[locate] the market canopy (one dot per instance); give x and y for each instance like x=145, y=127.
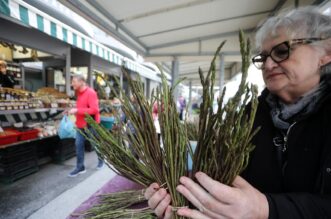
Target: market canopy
x=188, y=30
x=35, y=18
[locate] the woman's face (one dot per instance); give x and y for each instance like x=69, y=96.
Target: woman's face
x=294, y=76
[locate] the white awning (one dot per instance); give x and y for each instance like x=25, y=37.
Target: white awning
x=37, y=19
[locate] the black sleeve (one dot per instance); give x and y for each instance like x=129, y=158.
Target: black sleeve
x=7, y=81
x=11, y=80
x=299, y=205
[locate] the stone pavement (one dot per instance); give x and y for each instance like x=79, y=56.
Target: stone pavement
x=50, y=193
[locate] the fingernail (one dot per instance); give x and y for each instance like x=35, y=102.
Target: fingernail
x=182, y=179
x=179, y=188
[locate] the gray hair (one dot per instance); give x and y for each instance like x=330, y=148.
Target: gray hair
x=79, y=77
x=305, y=22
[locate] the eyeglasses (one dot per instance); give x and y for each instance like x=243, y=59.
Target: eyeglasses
x=281, y=51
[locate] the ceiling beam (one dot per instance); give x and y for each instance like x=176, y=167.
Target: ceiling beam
x=277, y=7
x=108, y=15
x=204, y=23
x=229, y=53
x=85, y=12
x=196, y=39
x=164, y=10
x=166, y=67
x=319, y=2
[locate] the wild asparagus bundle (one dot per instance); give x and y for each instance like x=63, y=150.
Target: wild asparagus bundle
x=120, y=205
x=224, y=137
x=192, y=131
x=111, y=148
x=142, y=213
x=146, y=160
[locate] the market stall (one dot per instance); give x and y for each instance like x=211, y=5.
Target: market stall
x=28, y=136
x=42, y=51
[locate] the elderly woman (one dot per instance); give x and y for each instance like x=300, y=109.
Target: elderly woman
x=289, y=172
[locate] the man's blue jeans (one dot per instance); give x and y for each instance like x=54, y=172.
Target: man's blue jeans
x=80, y=149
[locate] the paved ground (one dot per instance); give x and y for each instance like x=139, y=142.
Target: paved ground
x=50, y=193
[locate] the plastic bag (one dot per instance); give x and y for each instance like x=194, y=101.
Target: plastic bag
x=66, y=128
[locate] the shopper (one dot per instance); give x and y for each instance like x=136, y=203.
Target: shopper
x=289, y=171
x=181, y=105
x=117, y=113
x=87, y=103
x=155, y=114
x=6, y=80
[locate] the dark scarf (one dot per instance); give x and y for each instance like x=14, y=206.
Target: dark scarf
x=283, y=115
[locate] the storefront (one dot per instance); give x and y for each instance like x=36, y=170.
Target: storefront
x=55, y=50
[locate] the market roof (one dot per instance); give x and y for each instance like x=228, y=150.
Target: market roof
x=50, y=10
x=190, y=30
x=30, y=16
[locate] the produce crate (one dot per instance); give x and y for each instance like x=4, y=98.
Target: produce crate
x=47, y=147
x=17, y=161
x=64, y=150
x=8, y=137
x=30, y=134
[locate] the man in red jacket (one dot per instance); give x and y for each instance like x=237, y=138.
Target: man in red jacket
x=87, y=103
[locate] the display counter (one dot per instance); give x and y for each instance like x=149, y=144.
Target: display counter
x=22, y=152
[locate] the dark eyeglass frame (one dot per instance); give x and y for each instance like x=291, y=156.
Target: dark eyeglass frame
x=260, y=59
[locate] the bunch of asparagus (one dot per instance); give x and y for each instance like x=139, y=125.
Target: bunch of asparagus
x=223, y=139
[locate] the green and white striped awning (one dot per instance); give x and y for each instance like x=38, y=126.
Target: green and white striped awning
x=35, y=18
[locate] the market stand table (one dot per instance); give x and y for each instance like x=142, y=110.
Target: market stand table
x=116, y=184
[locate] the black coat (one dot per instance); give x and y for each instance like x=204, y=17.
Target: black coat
x=299, y=187
x=7, y=80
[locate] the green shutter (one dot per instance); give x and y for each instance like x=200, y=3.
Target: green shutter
x=53, y=29
x=97, y=50
x=91, y=49
x=4, y=7
x=24, y=14
x=40, y=23
x=74, y=39
x=65, y=34
x=108, y=55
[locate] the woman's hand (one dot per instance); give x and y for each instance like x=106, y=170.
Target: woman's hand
x=159, y=201
x=217, y=200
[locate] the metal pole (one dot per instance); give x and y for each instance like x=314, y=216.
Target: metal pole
x=121, y=83
x=90, y=73
x=190, y=98
x=175, y=74
x=221, y=73
x=148, y=88
x=67, y=71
